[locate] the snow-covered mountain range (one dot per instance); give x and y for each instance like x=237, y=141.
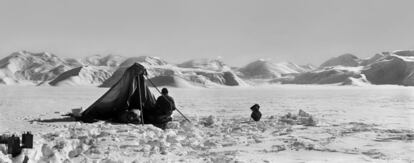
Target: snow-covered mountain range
x=395, y=68
x=104, y=70
x=46, y=69
x=25, y=67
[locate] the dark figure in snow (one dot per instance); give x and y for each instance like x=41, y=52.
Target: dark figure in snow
x=256, y=115
x=165, y=106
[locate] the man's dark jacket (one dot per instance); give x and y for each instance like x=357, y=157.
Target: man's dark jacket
x=165, y=105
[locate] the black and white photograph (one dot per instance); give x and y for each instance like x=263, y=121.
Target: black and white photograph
x=206, y=81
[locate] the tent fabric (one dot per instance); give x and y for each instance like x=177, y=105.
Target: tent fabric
x=123, y=95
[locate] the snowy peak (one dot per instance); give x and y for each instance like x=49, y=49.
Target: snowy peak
x=349, y=60
x=293, y=68
x=308, y=67
x=209, y=72
x=104, y=60
x=374, y=58
x=207, y=64
x=404, y=53
x=260, y=69
x=397, y=68
x=31, y=67
x=263, y=69
x=72, y=62
x=144, y=60
x=85, y=75
x=20, y=61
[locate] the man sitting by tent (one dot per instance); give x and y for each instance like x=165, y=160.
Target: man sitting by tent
x=130, y=100
x=165, y=105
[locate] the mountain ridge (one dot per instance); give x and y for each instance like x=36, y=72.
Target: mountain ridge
x=43, y=68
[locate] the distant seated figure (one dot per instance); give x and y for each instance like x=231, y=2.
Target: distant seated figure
x=165, y=105
x=256, y=115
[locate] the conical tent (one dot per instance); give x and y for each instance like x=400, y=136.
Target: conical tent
x=128, y=93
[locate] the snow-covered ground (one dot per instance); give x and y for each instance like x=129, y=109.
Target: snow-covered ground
x=354, y=124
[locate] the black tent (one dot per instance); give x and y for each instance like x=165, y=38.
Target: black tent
x=128, y=93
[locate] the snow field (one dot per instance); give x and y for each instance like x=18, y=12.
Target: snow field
x=354, y=124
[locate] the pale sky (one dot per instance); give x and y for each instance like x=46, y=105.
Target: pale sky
x=238, y=31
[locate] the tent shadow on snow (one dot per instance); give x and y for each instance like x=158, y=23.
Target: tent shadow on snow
x=55, y=120
x=66, y=118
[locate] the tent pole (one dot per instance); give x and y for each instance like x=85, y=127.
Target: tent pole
x=167, y=99
x=140, y=100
